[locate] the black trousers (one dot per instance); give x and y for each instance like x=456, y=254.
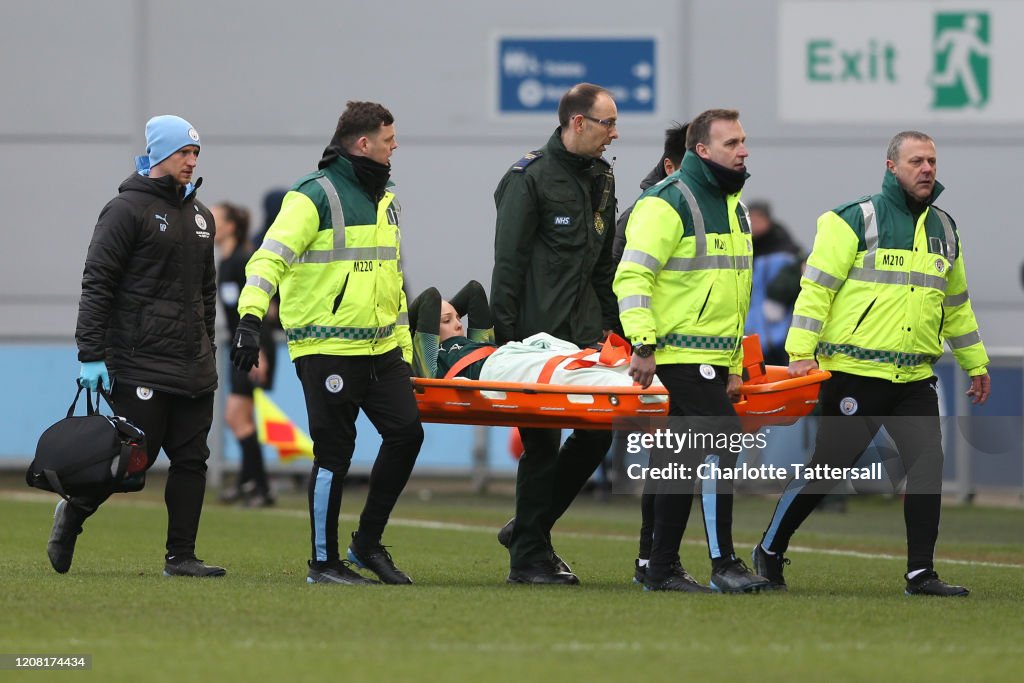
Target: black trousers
x=548, y=479
x=180, y=426
x=855, y=408
x=694, y=395
x=336, y=388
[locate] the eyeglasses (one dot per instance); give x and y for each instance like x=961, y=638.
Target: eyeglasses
x=607, y=123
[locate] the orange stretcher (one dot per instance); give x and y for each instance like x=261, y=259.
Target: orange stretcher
x=769, y=397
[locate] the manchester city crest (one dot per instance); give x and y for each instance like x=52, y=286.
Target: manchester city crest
x=848, y=405
x=334, y=383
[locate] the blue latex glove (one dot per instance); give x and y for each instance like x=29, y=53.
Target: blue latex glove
x=94, y=374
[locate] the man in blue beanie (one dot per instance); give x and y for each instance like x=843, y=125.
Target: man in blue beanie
x=146, y=333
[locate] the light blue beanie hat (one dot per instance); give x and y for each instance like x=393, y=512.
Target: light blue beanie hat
x=165, y=135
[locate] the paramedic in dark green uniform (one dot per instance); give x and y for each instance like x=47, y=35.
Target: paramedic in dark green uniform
x=553, y=273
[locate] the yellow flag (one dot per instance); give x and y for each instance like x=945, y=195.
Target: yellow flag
x=274, y=428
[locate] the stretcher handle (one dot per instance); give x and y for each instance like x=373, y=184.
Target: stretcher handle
x=812, y=377
x=533, y=388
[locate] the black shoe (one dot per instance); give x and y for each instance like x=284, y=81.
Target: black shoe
x=339, y=572
x=929, y=583
x=378, y=560
x=505, y=539
x=61, y=546
x=733, y=577
x=505, y=533
x=677, y=579
x=542, y=573
x=260, y=500
x=770, y=567
x=639, y=572
x=191, y=566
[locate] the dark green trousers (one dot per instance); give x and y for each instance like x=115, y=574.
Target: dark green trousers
x=548, y=480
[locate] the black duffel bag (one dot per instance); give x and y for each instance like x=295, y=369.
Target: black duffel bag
x=91, y=454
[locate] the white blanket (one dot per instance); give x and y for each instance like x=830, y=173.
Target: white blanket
x=523, y=362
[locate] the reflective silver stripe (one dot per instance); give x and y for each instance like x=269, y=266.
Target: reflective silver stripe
x=698, y=218
x=340, y=251
x=745, y=218
x=964, y=340
x=718, y=262
x=822, y=278
x=804, y=323
x=947, y=226
x=933, y=281
x=257, y=281
x=888, y=277
x=635, y=301
x=337, y=215
x=641, y=258
x=351, y=254
x=275, y=247
x=896, y=277
x=403, y=319
x=870, y=232
x=956, y=299
x=742, y=262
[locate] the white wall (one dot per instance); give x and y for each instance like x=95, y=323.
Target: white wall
x=264, y=82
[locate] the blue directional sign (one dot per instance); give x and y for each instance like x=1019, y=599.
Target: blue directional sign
x=533, y=74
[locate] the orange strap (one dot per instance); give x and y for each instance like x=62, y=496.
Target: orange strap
x=614, y=351
x=549, y=367
x=470, y=358
x=753, y=360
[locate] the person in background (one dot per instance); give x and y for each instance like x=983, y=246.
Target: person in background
x=252, y=487
x=777, y=264
x=671, y=158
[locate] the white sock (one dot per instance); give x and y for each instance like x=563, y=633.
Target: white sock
x=914, y=573
x=643, y=563
x=766, y=550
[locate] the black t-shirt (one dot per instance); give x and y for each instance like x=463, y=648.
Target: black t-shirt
x=230, y=280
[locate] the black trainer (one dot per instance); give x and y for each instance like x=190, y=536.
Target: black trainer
x=639, y=572
x=677, y=579
x=542, y=573
x=929, y=583
x=189, y=565
x=732, y=576
x=505, y=539
x=770, y=567
x=61, y=546
x=378, y=560
x=339, y=572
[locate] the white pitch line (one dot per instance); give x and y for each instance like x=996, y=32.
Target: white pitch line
x=26, y=496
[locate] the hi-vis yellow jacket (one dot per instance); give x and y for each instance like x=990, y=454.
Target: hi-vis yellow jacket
x=683, y=284
x=881, y=292
x=334, y=254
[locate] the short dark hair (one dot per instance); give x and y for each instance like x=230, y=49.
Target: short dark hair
x=675, y=143
x=359, y=119
x=579, y=99
x=700, y=127
x=760, y=206
x=240, y=216
x=893, y=152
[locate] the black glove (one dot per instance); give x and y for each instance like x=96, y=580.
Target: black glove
x=245, y=347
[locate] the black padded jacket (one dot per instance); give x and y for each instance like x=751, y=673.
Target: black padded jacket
x=149, y=289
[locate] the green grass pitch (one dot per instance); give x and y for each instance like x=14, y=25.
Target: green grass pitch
x=844, y=619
